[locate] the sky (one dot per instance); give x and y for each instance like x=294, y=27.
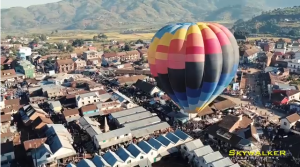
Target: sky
x=23, y=3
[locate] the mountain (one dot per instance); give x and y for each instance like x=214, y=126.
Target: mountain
x=107, y=14
x=283, y=21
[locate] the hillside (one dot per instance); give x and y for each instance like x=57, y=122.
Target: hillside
x=284, y=21
x=107, y=14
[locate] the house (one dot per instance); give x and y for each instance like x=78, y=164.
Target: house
x=54, y=91
x=150, y=151
x=187, y=148
x=65, y=66
x=104, y=106
x=113, y=159
x=88, y=55
x=90, y=110
x=55, y=106
x=71, y=114
x=268, y=47
x=124, y=66
x=147, y=87
x=25, y=67
x=288, y=122
x=170, y=145
x=284, y=96
x=12, y=102
x=143, y=52
x=161, y=149
x=95, y=87
x=5, y=122
x=10, y=75
x=125, y=155
x=109, y=58
x=80, y=64
x=94, y=61
x=132, y=56
x=92, y=127
x=24, y=53
x=99, y=160
x=87, y=98
x=200, y=152
x=40, y=123
x=137, y=152
x=37, y=99
x=30, y=112
x=111, y=138
x=125, y=80
x=12, y=110
x=250, y=55
x=294, y=65
x=7, y=153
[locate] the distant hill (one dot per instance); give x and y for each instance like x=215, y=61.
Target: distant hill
x=283, y=21
x=107, y=14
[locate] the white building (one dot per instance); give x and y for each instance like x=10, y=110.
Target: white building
x=294, y=65
x=87, y=98
x=207, y=159
x=2, y=104
x=113, y=137
x=221, y=162
x=288, y=122
x=24, y=52
x=149, y=150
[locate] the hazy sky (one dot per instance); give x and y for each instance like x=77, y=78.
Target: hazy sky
x=23, y=3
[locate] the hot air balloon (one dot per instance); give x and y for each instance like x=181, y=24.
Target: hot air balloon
x=193, y=62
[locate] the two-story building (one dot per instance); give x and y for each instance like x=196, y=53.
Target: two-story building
x=65, y=66
x=89, y=110
x=111, y=138
x=87, y=98
x=288, y=122
x=87, y=55
x=24, y=53
x=10, y=75
x=80, y=64
x=71, y=114
x=250, y=55
x=294, y=66
x=110, y=58
x=25, y=67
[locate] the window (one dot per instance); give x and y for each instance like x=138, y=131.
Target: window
x=184, y=148
x=128, y=162
x=95, y=100
x=118, y=137
x=83, y=103
x=284, y=123
x=142, y=157
x=151, y=153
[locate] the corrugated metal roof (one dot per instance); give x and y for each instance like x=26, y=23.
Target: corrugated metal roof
x=182, y=135
x=171, y=136
x=193, y=145
x=199, y=152
x=111, y=158
x=124, y=154
x=142, y=122
x=112, y=134
x=164, y=140
x=86, y=163
x=99, y=161
x=155, y=143
x=145, y=146
x=212, y=157
x=222, y=162
x=146, y=130
x=134, y=117
x=135, y=150
x=128, y=112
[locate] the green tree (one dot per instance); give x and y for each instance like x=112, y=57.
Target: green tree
x=43, y=37
x=9, y=37
x=139, y=41
x=69, y=48
x=60, y=47
x=77, y=42
x=102, y=36
x=56, y=31
x=43, y=52
x=127, y=48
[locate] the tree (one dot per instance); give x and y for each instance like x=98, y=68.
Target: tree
x=139, y=41
x=60, y=47
x=294, y=32
x=9, y=37
x=127, y=48
x=56, y=31
x=69, y=48
x=78, y=43
x=2, y=67
x=102, y=36
x=43, y=37
x=43, y=51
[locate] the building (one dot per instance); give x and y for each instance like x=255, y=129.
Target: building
x=55, y=106
x=30, y=112
x=5, y=122
x=147, y=87
x=10, y=75
x=88, y=55
x=284, y=96
x=250, y=55
x=112, y=58
x=294, y=65
x=71, y=115
x=95, y=62
x=26, y=68
x=87, y=98
x=65, y=66
x=288, y=122
x=24, y=53
x=92, y=127
x=40, y=123
x=126, y=80
x=111, y=138
x=7, y=153
x=80, y=64
x=90, y=110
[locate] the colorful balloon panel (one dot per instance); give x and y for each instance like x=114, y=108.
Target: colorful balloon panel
x=193, y=62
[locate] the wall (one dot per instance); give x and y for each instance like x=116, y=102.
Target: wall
x=86, y=101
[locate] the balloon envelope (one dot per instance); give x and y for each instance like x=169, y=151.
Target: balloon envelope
x=193, y=62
